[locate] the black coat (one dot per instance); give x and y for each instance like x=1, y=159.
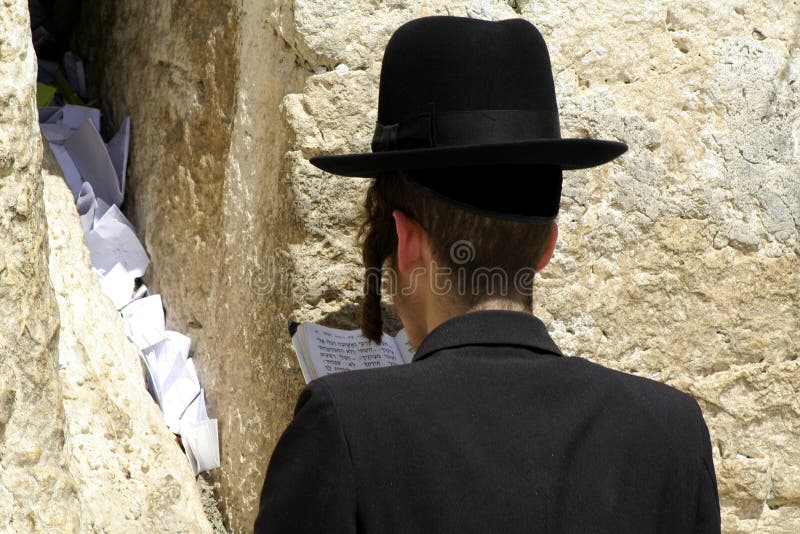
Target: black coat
x=491, y=430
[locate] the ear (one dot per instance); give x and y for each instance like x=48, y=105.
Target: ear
x=551, y=246
x=410, y=237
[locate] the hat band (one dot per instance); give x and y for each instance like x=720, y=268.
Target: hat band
x=466, y=127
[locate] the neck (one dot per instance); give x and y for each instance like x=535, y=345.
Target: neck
x=439, y=310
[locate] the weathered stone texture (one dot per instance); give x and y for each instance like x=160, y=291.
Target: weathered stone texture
x=130, y=474
x=685, y=252
x=91, y=453
x=37, y=491
x=679, y=261
x=202, y=83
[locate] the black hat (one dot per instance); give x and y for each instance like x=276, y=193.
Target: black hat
x=459, y=93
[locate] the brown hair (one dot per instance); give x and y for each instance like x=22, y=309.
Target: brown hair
x=487, y=243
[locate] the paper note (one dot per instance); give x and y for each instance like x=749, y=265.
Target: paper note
x=75, y=116
x=113, y=213
x=163, y=360
x=140, y=292
x=174, y=348
x=55, y=133
x=118, y=151
x=196, y=411
x=118, y=284
x=66, y=91
x=88, y=151
x=201, y=441
x=178, y=390
x=102, y=208
x=51, y=114
x=144, y=321
x=148, y=357
x=110, y=242
x=68, y=169
x=86, y=206
x=44, y=94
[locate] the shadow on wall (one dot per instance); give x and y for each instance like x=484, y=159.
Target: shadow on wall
x=349, y=317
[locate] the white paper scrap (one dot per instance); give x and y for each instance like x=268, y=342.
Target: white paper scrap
x=51, y=114
x=196, y=411
x=101, y=209
x=144, y=321
x=86, y=206
x=118, y=284
x=55, y=133
x=141, y=292
x=201, y=441
x=75, y=116
x=68, y=169
x=178, y=391
x=150, y=377
x=111, y=242
x=171, y=352
x=113, y=213
x=88, y=151
x=118, y=151
x=76, y=75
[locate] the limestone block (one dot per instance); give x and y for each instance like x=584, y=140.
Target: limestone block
x=754, y=410
x=37, y=490
x=679, y=261
x=129, y=471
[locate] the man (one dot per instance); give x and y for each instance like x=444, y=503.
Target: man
x=490, y=428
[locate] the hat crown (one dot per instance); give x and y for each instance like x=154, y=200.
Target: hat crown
x=459, y=63
x=457, y=91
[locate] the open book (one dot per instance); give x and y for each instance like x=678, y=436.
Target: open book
x=322, y=350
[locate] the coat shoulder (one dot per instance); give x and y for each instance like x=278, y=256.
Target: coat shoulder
x=658, y=406
x=672, y=411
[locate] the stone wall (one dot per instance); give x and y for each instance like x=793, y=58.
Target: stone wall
x=84, y=448
x=129, y=472
x=679, y=261
x=36, y=487
x=207, y=194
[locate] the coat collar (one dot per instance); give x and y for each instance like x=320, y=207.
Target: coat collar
x=488, y=327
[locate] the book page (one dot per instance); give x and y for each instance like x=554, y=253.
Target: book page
x=301, y=357
x=334, y=351
x=403, y=346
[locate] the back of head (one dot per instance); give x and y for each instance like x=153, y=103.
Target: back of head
x=464, y=130
x=483, y=255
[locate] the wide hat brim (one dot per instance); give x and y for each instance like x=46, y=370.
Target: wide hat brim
x=566, y=153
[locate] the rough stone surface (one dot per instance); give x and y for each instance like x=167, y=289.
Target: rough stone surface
x=37, y=490
x=208, y=197
x=129, y=472
x=82, y=449
x=679, y=261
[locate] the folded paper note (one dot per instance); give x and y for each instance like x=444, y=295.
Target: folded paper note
x=89, y=153
x=144, y=321
x=200, y=440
